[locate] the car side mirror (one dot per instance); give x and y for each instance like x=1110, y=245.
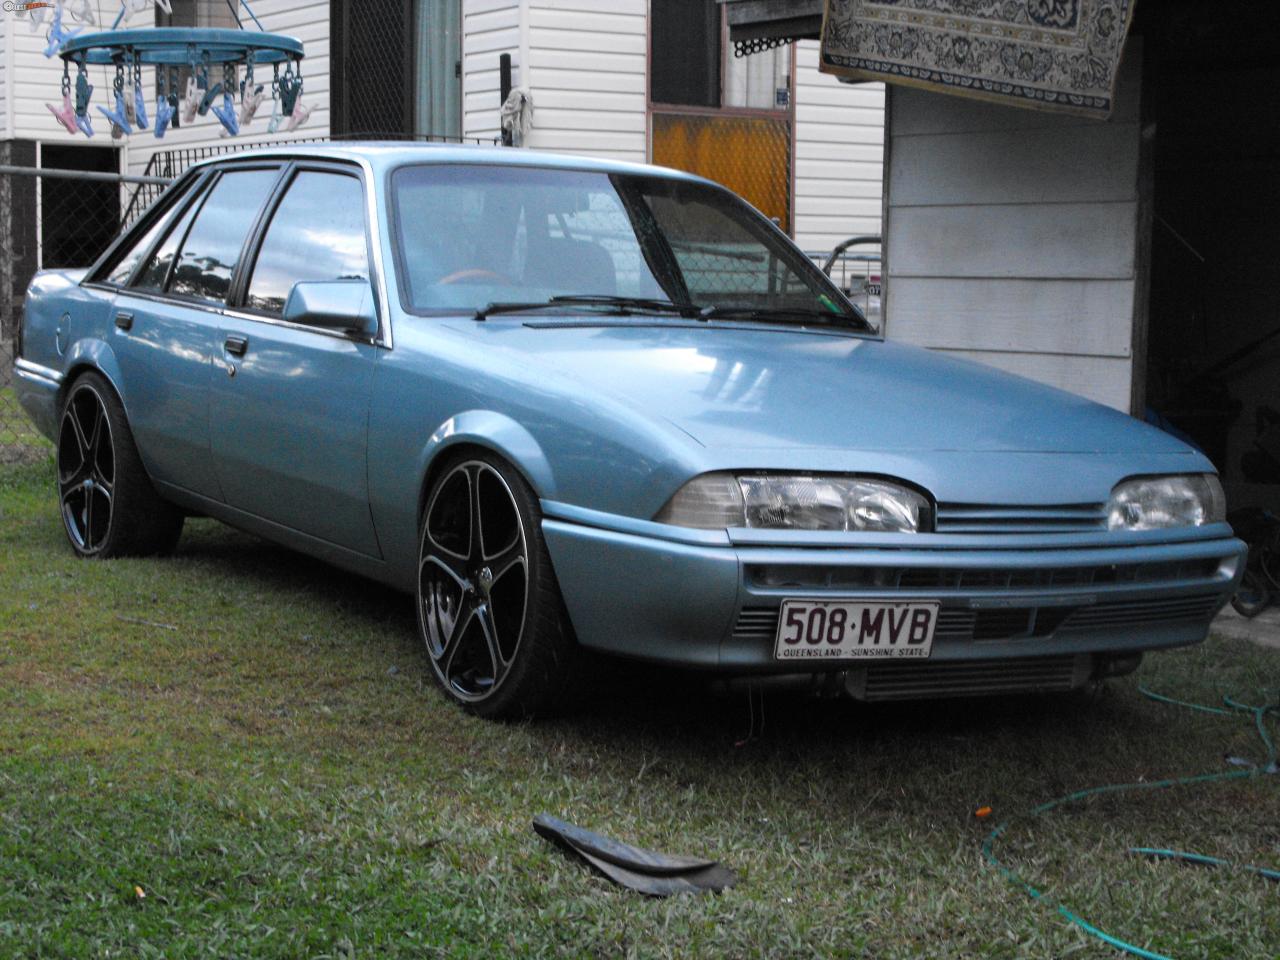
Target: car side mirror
x=345, y=305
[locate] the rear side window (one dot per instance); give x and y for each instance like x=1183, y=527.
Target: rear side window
x=212, y=246
x=153, y=276
x=125, y=265
x=316, y=233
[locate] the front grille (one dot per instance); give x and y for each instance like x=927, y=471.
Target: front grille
x=986, y=578
x=1000, y=518
x=961, y=624
x=918, y=681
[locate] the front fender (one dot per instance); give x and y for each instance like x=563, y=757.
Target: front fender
x=496, y=432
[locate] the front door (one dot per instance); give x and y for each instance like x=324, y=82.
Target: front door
x=290, y=403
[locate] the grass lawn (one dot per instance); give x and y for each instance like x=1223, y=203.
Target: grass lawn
x=252, y=740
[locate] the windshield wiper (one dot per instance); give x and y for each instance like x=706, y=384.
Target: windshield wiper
x=766, y=314
x=622, y=306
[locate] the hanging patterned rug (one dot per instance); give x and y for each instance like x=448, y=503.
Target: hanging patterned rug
x=1058, y=55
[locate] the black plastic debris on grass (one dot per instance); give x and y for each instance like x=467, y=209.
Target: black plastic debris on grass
x=647, y=872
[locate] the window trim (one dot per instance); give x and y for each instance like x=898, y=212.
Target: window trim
x=238, y=296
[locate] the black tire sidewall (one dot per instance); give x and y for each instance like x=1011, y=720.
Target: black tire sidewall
x=540, y=668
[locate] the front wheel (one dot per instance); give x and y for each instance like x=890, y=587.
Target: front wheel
x=108, y=504
x=489, y=609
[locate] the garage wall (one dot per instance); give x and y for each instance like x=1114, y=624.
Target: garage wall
x=490, y=28
x=587, y=73
x=1013, y=236
x=839, y=155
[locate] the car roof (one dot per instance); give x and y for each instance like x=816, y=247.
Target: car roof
x=386, y=154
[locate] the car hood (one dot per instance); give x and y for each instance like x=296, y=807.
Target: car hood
x=750, y=386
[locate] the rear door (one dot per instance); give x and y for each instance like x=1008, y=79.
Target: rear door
x=165, y=336
x=290, y=405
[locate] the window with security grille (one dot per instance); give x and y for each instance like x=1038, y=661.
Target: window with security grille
x=372, y=61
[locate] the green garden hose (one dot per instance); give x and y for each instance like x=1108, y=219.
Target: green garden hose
x=1269, y=766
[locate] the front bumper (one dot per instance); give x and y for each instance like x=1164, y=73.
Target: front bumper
x=1079, y=601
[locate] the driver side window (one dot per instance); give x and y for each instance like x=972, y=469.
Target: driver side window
x=316, y=233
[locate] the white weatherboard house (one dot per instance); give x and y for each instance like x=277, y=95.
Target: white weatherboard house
x=643, y=80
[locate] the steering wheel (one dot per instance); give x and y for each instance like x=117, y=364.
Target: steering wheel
x=462, y=276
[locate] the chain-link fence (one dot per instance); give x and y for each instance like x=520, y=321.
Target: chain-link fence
x=50, y=218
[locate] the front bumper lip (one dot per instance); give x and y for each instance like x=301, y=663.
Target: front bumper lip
x=682, y=603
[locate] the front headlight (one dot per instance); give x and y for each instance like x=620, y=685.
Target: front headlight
x=714, y=501
x=1157, y=503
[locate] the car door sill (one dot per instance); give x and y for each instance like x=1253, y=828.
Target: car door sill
x=340, y=556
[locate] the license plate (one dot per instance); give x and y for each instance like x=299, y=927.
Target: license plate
x=859, y=630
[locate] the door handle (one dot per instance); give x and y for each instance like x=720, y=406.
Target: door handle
x=236, y=346
x=124, y=320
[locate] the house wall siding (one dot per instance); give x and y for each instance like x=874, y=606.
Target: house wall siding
x=1013, y=236
x=839, y=156
x=587, y=72
x=490, y=28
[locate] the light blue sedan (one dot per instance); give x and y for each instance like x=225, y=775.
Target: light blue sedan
x=578, y=406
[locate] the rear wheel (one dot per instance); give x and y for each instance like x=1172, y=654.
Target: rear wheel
x=109, y=507
x=1253, y=595
x=489, y=609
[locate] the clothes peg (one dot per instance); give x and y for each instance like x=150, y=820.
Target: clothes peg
x=67, y=115
x=300, y=115
x=164, y=5
x=289, y=90
x=57, y=35
x=82, y=10
x=130, y=7
x=164, y=113
x=250, y=100
x=207, y=101
x=82, y=122
x=191, y=102
x=276, y=117
x=226, y=114
x=117, y=116
x=139, y=106
x=83, y=91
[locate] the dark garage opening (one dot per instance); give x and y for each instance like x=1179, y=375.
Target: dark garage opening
x=78, y=218
x=1213, y=329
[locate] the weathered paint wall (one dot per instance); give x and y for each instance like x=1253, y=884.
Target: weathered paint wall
x=839, y=155
x=1013, y=236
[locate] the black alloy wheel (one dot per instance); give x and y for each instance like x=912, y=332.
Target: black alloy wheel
x=489, y=610
x=108, y=505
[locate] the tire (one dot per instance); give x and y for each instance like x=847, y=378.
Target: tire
x=108, y=505
x=491, y=617
x=1253, y=596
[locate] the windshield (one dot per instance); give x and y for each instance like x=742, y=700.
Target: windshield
x=471, y=236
